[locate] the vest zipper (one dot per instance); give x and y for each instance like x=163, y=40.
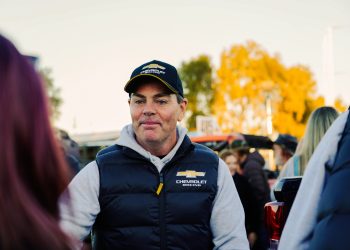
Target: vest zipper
x=161, y=212
x=161, y=184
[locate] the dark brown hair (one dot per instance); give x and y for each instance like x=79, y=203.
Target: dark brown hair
x=33, y=172
x=226, y=153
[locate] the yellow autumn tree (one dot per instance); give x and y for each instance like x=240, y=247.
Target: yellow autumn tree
x=248, y=77
x=340, y=105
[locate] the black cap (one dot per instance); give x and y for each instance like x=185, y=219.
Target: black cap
x=287, y=141
x=239, y=144
x=164, y=72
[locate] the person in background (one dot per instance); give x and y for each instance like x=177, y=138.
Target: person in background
x=284, y=148
x=320, y=215
x=245, y=193
x=252, y=164
x=70, y=149
x=33, y=172
x=155, y=189
x=318, y=123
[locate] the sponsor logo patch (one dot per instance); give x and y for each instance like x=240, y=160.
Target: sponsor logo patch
x=191, y=174
x=152, y=71
x=153, y=66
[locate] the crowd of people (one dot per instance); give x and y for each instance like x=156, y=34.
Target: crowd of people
x=155, y=189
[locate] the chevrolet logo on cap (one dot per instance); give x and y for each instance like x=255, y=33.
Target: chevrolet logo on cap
x=153, y=66
x=190, y=174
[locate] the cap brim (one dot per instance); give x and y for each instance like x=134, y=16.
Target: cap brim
x=129, y=86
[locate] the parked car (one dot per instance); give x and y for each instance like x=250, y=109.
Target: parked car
x=217, y=142
x=221, y=141
x=225, y=141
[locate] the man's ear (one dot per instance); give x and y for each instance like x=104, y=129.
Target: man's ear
x=129, y=100
x=183, y=106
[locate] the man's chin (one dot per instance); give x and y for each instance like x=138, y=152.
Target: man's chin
x=150, y=137
x=151, y=140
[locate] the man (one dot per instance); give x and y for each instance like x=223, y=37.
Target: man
x=70, y=149
x=155, y=189
x=252, y=164
x=284, y=148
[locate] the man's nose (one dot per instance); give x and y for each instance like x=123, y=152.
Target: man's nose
x=149, y=109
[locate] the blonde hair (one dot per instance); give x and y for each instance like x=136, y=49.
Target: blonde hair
x=319, y=121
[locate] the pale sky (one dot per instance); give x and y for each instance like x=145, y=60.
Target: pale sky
x=93, y=46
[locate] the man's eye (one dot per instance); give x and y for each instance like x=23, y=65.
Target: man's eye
x=139, y=101
x=161, y=101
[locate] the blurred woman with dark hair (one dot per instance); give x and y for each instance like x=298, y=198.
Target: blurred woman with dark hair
x=33, y=172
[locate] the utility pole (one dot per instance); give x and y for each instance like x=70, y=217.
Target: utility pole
x=269, y=128
x=328, y=66
x=268, y=115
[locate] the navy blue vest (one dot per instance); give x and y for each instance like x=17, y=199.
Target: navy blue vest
x=134, y=216
x=332, y=230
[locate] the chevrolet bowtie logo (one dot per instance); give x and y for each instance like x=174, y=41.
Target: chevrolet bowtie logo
x=153, y=66
x=190, y=174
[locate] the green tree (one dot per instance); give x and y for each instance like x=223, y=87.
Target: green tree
x=196, y=75
x=53, y=93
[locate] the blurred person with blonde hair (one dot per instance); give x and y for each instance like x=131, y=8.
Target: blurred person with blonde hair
x=318, y=123
x=33, y=172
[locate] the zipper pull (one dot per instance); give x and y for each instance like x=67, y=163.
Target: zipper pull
x=161, y=184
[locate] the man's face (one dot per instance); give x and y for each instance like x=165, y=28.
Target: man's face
x=154, y=114
x=277, y=151
x=240, y=158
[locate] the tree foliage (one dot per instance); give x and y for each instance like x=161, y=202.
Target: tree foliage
x=196, y=75
x=248, y=77
x=53, y=93
x=340, y=105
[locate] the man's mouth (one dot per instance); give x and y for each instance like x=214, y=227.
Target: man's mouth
x=149, y=124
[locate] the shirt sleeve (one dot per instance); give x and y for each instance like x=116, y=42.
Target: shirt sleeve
x=79, y=213
x=227, y=219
